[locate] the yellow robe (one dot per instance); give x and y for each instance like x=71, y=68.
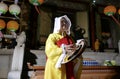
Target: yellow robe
x=53, y=52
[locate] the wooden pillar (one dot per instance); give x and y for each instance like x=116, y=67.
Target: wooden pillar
x=92, y=27
x=32, y=30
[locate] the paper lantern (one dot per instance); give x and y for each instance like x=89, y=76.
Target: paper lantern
x=14, y=9
x=2, y=24
x=36, y=2
x=40, y=1
x=109, y=10
x=119, y=11
x=3, y=8
x=12, y=25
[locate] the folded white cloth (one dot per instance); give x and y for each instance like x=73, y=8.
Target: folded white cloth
x=58, y=64
x=14, y=75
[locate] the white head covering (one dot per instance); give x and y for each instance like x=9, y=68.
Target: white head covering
x=57, y=24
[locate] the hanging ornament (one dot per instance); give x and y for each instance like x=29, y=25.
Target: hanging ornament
x=2, y=24
x=3, y=8
x=109, y=10
x=14, y=9
x=36, y=2
x=41, y=1
x=12, y=25
x=119, y=11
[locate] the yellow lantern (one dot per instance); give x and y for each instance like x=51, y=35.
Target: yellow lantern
x=2, y=24
x=110, y=10
x=12, y=25
x=119, y=11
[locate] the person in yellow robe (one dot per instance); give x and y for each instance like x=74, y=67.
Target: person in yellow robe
x=53, y=68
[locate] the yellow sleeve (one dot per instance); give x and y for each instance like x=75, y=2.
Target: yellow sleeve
x=51, y=49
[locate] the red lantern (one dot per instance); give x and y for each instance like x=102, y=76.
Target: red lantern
x=110, y=10
x=119, y=11
x=2, y=24
x=12, y=25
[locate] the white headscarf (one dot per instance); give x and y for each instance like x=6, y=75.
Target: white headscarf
x=57, y=24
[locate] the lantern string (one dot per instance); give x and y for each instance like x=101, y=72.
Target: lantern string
x=16, y=1
x=16, y=16
x=37, y=9
x=115, y=20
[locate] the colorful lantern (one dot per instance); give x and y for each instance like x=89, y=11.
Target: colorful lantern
x=3, y=8
x=40, y=1
x=14, y=9
x=109, y=10
x=36, y=2
x=2, y=24
x=119, y=11
x=12, y=25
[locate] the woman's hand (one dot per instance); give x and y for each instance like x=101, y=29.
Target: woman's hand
x=70, y=48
